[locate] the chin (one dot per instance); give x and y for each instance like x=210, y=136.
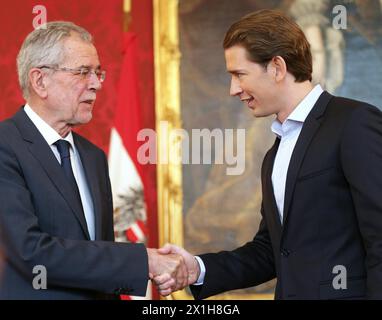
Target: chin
x=258, y=114
x=88, y=115
x=83, y=119
x=87, y=120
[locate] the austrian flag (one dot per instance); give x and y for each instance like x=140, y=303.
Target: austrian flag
x=126, y=173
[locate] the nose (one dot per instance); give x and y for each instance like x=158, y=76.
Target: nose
x=235, y=88
x=94, y=82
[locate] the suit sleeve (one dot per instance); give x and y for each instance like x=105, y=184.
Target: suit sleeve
x=101, y=266
x=247, y=266
x=361, y=156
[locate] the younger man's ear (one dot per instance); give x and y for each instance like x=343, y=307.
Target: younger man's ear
x=279, y=68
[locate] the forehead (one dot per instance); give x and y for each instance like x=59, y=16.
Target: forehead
x=236, y=57
x=79, y=52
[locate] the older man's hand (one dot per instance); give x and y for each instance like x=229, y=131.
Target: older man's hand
x=170, y=267
x=164, y=283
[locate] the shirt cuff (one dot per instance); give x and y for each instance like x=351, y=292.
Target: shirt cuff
x=202, y=267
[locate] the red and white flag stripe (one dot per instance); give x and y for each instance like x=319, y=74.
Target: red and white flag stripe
x=125, y=170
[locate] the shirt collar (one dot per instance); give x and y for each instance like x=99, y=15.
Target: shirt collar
x=300, y=113
x=49, y=134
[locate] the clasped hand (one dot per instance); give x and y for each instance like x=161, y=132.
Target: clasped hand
x=172, y=268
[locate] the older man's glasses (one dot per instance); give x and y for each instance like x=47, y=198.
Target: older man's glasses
x=83, y=72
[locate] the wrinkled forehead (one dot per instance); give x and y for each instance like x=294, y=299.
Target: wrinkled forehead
x=78, y=52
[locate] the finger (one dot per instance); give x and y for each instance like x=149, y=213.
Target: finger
x=170, y=284
x=165, y=292
x=162, y=278
x=179, y=271
x=179, y=274
x=186, y=275
x=183, y=281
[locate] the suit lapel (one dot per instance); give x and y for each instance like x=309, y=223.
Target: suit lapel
x=268, y=193
x=310, y=127
x=40, y=149
x=90, y=169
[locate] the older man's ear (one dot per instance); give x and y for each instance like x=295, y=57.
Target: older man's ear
x=38, y=82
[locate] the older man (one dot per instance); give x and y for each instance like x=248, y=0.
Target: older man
x=56, y=204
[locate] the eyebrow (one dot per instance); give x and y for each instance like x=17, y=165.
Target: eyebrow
x=87, y=66
x=236, y=71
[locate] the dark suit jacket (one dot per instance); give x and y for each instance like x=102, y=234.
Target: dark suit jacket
x=332, y=213
x=41, y=223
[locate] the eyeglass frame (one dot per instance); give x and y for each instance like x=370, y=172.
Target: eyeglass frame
x=81, y=71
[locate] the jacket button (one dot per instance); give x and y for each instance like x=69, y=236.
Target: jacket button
x=122, y=291
x=285, y=252
x=118, y=291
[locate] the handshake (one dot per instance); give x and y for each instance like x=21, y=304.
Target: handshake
x=172, y=268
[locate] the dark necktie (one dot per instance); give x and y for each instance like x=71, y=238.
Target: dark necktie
x=63, y=147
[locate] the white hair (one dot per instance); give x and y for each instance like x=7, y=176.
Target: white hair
x=44, y=46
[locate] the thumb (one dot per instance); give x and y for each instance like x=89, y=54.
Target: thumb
x=166, y=249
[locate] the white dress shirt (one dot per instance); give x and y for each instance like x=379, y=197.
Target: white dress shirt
x=288, y=132
x=51, y=136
